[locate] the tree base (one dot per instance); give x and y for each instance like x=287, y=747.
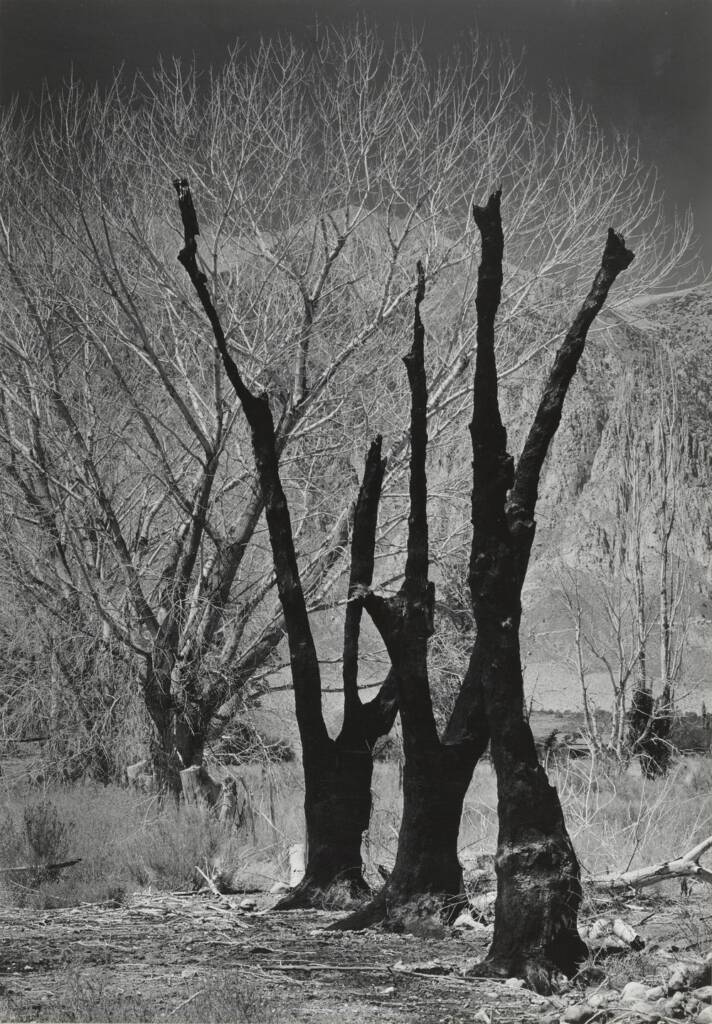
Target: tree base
x=425, y=915
x=367, y=916
x=339, y=894
x=542, y=976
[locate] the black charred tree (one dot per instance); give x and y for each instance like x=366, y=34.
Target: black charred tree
x=427, y=875
x=538, y=887
x=337, y=772
x=539, y=890
x=649, y=727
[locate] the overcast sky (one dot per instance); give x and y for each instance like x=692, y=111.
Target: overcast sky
x=643, y=65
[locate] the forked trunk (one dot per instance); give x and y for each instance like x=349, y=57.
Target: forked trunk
x=538, y=891
x=177, y=741
x=337, y=773
x=337, y=804
x=427, y=876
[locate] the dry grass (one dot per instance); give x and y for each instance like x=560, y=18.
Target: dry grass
x=214, y=997
x=625, y=821
x=616, y=821
x=127, y=840
x=124, y=842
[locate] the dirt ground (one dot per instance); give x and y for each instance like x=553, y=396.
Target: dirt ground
x=161, y=947
x=165, y=949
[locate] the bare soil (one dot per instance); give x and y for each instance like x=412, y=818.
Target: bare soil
x=161, y=947
x=164, y=949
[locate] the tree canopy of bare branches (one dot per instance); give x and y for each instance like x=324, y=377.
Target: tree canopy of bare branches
x=132, y=510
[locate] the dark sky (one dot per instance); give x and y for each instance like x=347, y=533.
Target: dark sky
x=643, y=65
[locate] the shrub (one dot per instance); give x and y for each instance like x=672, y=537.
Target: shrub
x=46, y=833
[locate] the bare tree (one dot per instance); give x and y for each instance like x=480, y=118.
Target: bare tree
x=651, y=717
x=605, y=616
x=619, y=621
x=537, y=871
x=283, y=299
x=667, y=457
x=337, y=773
x=324, y=175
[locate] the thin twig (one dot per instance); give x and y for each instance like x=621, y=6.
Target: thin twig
x=186, y=1001
x=213, y=887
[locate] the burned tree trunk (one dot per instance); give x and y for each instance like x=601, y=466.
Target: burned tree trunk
x=426, y=880
x=339, y=810
x=649, y=727
x=427, y=875
x=538, y=887
x=337, y=773
x=537, y=871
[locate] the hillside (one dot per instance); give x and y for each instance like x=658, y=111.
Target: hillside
x=577, y=525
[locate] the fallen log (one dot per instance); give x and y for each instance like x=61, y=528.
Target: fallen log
x=686, y=866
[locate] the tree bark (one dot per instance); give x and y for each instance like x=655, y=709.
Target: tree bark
x=649, y=726
x=427, y=875
x=178, y=742
x=337, y=773
x=338, y=808
x=199, y=788
x=538, y=884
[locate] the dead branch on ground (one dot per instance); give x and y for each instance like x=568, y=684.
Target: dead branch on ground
x=688, y=865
